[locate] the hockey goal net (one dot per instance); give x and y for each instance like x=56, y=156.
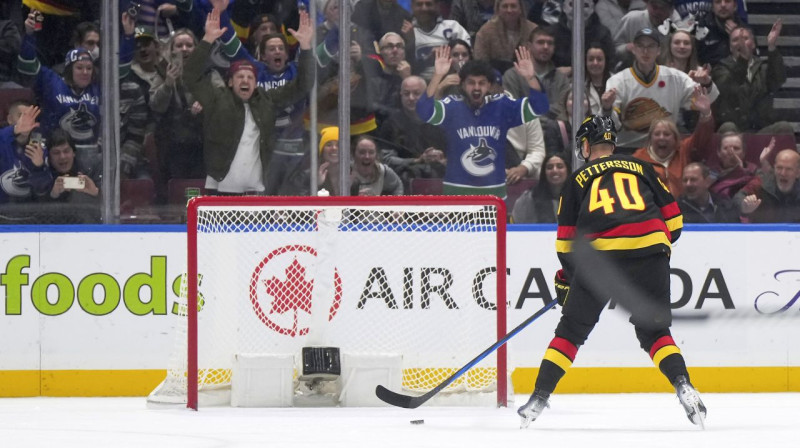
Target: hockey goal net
x=414, y=276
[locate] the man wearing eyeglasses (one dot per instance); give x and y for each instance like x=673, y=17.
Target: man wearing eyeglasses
x=647, y=91
x=385, y=73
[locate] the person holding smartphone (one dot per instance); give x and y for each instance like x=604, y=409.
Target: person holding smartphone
x=179, y=122
x=70, y=185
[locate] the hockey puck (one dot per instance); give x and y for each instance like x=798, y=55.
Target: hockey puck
x=417, y=422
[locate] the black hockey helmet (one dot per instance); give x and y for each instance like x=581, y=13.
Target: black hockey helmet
x=595, y=129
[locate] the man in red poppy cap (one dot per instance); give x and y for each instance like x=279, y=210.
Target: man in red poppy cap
x=239, y=121
x=647, y=91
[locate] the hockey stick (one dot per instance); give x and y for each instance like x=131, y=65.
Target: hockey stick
x=412, y=402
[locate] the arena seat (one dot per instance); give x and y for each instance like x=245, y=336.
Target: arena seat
x=421, y=186
x=176, y=189
x=516, y=190
x=135, y=193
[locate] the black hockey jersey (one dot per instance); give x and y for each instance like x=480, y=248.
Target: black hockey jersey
x=620, y=206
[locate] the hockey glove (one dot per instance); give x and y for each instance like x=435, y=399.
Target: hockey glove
x=562, y=287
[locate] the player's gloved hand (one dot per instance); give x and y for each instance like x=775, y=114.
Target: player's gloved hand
x=562, y=287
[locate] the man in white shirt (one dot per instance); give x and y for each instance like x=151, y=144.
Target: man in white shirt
x=239, y=120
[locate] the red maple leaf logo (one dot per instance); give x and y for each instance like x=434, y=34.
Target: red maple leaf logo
x=291, y=294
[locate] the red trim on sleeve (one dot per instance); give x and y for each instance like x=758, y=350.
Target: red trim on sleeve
x=670, y=211
x=663, y=341
x=566, y=232
x=565, y=347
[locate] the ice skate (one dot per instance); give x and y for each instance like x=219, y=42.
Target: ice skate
x=531, y=410
x=690, y=399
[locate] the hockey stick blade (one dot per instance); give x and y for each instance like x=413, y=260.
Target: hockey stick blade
x=413, y=402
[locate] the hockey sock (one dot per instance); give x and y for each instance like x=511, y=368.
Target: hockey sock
x=557, y=359
x=667, y=357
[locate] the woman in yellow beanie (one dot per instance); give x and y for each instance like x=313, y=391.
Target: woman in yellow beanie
x=328, y=172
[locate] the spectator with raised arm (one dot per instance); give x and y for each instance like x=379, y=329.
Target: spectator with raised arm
x=748, y=85
x=553, y=83
x=23, y=171
x=254, y=19
x=669, y=153
x=58, y=18
x=476, y=124
x=647, y=91
x=71, y=102
x=773, y=196
x=179, y=127
x=274, y=69
x=734, y=170
x=239, y=120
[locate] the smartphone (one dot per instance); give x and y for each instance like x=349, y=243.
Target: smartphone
x=36, y=139
x=38, y=20
x=133, y=9
x=74, y=183
x=177, y=59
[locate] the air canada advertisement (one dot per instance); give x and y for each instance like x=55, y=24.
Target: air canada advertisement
x=106, y=300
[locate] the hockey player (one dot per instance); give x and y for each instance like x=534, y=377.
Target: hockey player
x=618, y=205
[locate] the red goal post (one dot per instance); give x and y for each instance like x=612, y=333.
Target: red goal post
x=413, y=275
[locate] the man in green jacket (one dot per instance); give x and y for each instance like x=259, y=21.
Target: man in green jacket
x=747, y=85
x=239, y=120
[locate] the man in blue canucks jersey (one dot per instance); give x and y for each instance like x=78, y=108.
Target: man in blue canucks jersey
x=72, y=102
x=476, y=122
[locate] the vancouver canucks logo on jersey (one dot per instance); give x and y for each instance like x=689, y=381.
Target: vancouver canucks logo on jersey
x=14, y=182
x=79, y=124
x=479, y=160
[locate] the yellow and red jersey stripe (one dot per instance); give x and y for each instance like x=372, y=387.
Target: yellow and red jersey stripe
x=663, y=347
x=561, y=352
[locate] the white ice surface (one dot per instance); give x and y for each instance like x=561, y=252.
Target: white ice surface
x=581, y=421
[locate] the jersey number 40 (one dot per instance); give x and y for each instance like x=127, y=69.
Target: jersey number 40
x=626, y=189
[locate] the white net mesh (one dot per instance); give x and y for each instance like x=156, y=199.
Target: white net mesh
x=419, y=281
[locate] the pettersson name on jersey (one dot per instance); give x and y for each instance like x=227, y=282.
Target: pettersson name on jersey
x=479, y=131
x=598, y=168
